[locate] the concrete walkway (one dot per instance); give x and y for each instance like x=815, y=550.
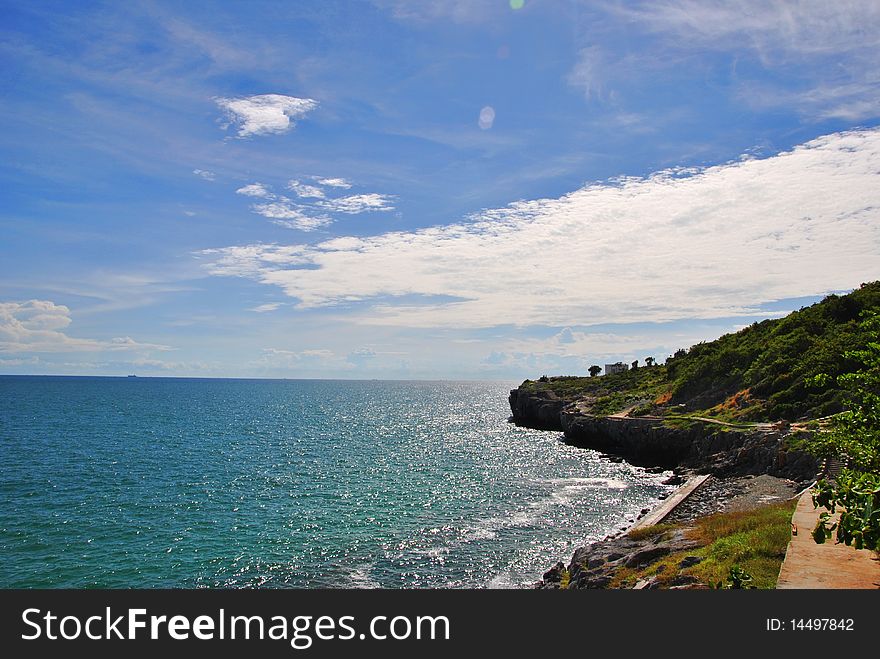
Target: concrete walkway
x=660, y=513
x=830, y=565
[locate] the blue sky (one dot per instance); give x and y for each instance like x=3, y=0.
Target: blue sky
x=395, y=189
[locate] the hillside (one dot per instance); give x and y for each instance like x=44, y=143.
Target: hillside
x=763, y=372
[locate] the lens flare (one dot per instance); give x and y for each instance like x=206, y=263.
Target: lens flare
x=487, y=117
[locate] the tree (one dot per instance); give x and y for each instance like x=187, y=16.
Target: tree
x=595, y=370
x=649, y=361
x=635, y=364
x=854, y=439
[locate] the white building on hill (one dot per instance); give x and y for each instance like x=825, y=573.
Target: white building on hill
x=617, y=367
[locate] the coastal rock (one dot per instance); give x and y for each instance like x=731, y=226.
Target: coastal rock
x=647, y=556
x=554, y=574
x=595, y=565
x=536, y=409
x=646, y=441
x=594, y=582
x=682, y=580
x=731, y=454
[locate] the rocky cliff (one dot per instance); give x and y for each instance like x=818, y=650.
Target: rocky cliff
x=695, y=445
x=536, y=409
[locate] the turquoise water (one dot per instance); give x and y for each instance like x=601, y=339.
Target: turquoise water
x=165, y=482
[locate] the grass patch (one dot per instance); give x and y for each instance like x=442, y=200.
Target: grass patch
x=566, y=579
x=754, y=540
x=680, y=422
x=607, y=394
x=651, y=531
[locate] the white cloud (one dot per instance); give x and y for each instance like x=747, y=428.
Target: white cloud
x=35, y=326
x=826, y=52
x=299, y=354
x=310, y=215
x=160, y=364
x=205, y=174
x=263, y=308
x=255, y=190
x=333, y=182
x=279, y=358
x=30, y=361
x=304, y=190
x=776, y=29
x=588, y=72
x=284, y=213
x=251, y=260
x=128, y=343
x=343, y=243
x=658, y=340
x=670, y=246
x=359, y=203
x=265, y=114
x=360, y=356
x=565, y=336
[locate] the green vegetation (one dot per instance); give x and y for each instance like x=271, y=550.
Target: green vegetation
x=565, y=580
x=853, y=438
x=645, y=532
x=741, y=549
x=737, y=579
x=608, y=394
x=768, y=371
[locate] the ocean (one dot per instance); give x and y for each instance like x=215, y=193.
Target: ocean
x=191, y=483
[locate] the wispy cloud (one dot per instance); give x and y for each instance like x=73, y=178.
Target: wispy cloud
x=263, y=308
x=703, y=243
x=360, y=203
x=827, y=50
x=334, y=182
x=775, y=29
x=458, y=11
x=286, y=214
x=36, y=326
x=588, y=73
x=310, y=215
x=360, y=356
x=301, y=354
x=305, y=190
x=265, y=114
x=205, y=174
x=255, y=190
x=282, y=210
x=316, y=358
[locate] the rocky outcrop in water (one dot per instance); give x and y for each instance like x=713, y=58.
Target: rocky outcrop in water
x=595, y=565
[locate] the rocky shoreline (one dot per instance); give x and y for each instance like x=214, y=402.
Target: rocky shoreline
x=699, y=446
x=596, y=564
x=748, y=468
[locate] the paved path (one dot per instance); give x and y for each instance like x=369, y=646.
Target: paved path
x=744, y=425
x=830, y=565
x=663, y=511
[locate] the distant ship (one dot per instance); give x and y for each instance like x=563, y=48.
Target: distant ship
x=132, y=376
